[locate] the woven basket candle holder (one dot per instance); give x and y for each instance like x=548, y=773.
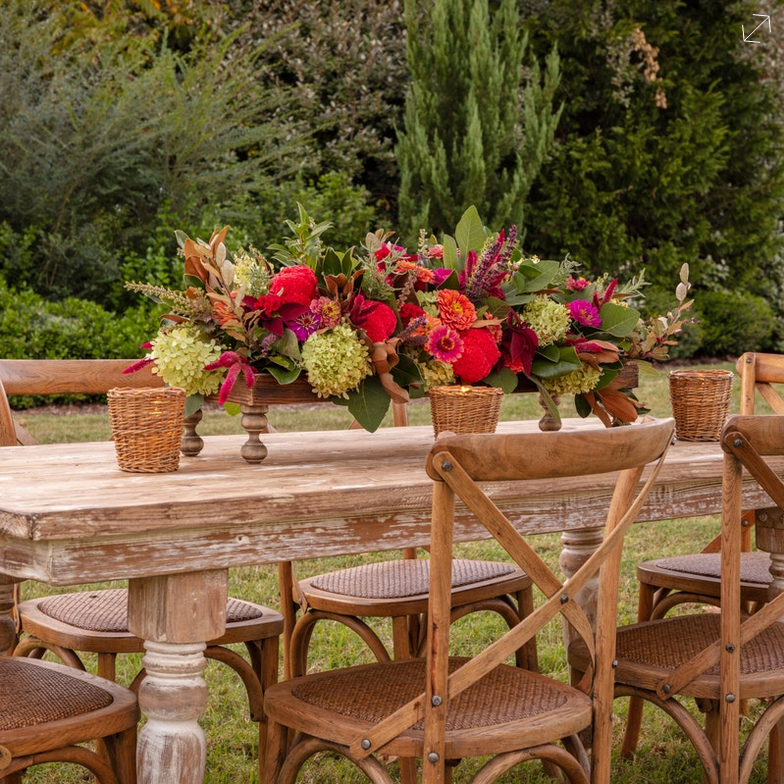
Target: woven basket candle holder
x=463, y=409
x=700, y=403
x=147, y=428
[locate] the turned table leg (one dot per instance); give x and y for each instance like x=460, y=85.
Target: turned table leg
x=577, y=548
x=7, y=623
x=175, y=615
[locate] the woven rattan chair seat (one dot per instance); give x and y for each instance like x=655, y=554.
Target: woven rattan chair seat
x=366, y=694
x=404, y=578
x=32, y=695
x=647, y=651
x=754, y=567
x=107, y=610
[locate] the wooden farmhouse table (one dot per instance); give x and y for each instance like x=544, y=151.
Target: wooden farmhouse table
x=69, y=516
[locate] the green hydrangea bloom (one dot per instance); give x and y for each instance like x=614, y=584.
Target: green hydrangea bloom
x=180, y=356
x=336, y=361
x=548, y=319
x=436, y=374
x=575, y=383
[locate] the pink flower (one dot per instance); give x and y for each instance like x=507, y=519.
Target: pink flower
x=585, y=313
x=327, y=311
x=480, y=354
x=576, y=284
x=445, y=344
x=236, y=364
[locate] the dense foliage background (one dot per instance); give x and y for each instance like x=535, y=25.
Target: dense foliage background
x=630, y=134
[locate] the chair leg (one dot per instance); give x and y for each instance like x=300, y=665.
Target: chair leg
x=276, y=746
x=775, y=745
x=268, y=675
x=631, y=734
x=120, y=751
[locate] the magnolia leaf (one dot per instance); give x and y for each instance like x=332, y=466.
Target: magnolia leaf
x=470, y=232
x=547, y=368
x=193, y=403
x=497, y=308
x=582, y=406
x=180, y=236
x=368, y=404
x=288, y=345
x=191, y=280
x=535, y=277
x=618, y=320
x=549, y=353
x=452, y=281
x=406, y=373
x=450, y=259
x=336, y=264
x=684, y=273
x=283, y=375
x=503, y=378
x=546, y=398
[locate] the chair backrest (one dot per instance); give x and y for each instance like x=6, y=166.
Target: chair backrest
x=61, y=377
x=746, y=441
x=758, y=372
x=457, y=464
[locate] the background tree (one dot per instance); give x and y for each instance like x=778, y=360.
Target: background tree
x=669, y=151
x=478, y=125
x=100, y=142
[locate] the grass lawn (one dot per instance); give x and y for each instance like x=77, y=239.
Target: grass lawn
x=664, y=757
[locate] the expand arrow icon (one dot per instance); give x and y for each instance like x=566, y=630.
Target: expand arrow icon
x=747, y=38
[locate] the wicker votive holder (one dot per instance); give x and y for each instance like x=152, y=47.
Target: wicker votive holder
x=465, y=409
x=700, y=403
x=147, y=428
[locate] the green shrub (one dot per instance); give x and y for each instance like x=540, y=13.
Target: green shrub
x=32, y=328
x=733, y=322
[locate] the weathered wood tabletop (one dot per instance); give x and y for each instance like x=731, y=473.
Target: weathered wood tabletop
x=68, y=515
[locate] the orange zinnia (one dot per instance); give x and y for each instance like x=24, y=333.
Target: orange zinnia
x=455, y=309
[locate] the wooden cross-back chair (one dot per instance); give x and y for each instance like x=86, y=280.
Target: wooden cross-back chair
x=696, y=578
x=723, y=659
x=96, y=621
x=442, y=709
x=47, y=711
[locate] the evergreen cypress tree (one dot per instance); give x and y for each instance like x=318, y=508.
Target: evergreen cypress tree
x=478, y=124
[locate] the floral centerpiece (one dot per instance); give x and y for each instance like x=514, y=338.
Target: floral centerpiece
x=383, y=323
